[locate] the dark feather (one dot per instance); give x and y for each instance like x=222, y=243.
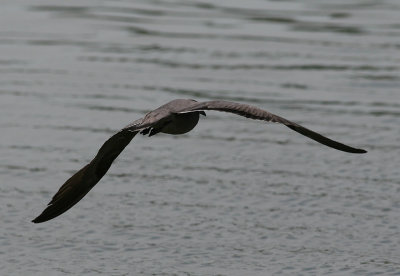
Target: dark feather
x=78, y=185
x=256, y=113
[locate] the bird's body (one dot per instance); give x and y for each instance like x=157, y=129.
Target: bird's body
x=167, y=119
x=181, y=123
x=176, y=117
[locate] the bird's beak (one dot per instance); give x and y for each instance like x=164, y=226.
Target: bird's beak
x=202, y=113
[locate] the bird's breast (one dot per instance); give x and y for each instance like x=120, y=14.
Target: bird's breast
x=181, y=123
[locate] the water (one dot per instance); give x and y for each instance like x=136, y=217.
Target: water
x=232, y=197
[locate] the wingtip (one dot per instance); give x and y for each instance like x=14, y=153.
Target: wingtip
x=39, y=219
x=361, y=151
x=36, y=220
x=44, y=216
x=353, y=150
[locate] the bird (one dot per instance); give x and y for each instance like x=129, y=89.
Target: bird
x=175, y=117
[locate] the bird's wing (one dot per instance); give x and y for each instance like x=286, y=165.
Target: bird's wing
x=76, y=187
x=256, y=113
x=151, y=119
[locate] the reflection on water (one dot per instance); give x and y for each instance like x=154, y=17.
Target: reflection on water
x=232, y=197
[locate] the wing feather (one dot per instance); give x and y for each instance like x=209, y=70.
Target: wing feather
x=256, y=113
x=78, y=185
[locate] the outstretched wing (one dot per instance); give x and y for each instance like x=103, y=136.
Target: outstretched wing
x=76, y=187
x=256, y=113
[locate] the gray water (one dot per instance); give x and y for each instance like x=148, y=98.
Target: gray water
x=232, y=197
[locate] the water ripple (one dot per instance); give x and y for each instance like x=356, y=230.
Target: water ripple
x=233, y=197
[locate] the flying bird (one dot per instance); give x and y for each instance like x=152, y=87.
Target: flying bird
x=176, y=117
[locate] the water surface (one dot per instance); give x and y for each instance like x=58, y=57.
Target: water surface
x=233, y=197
